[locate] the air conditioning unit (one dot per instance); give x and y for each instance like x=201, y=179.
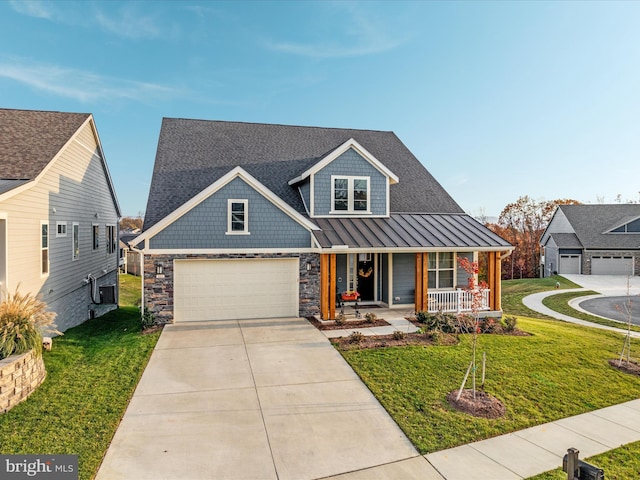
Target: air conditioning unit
x=108, y=294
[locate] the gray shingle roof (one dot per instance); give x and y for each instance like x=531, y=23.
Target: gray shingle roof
x=566, y=240
x=192, y=154
x=29, y=139
x=591, y=222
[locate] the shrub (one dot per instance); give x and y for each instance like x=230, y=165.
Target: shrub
x=398, y=335
x=23, y=320
x=435, y=336
x=356, y=337
x=509, y=323
x=370, y=317
x=442, y=322
x=148, y=319
x=340, y=319
x=489, y=325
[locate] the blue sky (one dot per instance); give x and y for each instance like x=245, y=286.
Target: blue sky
x=497, y=99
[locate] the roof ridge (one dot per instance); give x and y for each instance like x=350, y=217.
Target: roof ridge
x=278, y=125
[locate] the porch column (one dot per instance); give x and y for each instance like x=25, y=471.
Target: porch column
x=328, y=286
x=494, y=275
x=421, y=282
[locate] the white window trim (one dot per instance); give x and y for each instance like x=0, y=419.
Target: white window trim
x=58, y=224
x=95, y=238
x=45, y=274
x=111, y=242
x=245, y=202
x=438, y=269
x=73, y=241
x=350, y=200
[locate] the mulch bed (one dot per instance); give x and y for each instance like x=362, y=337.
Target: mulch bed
x=627, y=367
x=153, y=329
x=348, y=324
x=381, y=341
x=484, y=405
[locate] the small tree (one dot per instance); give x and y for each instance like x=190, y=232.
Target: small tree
x=626, y=310
x=475, y=291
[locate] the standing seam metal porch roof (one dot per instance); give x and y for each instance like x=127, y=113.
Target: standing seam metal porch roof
x=408, y=230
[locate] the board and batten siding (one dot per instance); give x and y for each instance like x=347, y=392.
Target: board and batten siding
x=349, y=164
x=74, y=188
x=205, y=225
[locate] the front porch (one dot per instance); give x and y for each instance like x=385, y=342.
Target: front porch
x=403, y=281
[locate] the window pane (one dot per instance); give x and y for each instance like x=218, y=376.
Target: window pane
x=445, y=260
x=237, y=217
x=445, y=279
x=45, y=261
x=432, y=280
x=432, y=261
x=45, y=235
x=76, y=241
x=360, y=194
x=340, y=194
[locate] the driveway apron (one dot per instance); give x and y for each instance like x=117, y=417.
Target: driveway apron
x=250, y=399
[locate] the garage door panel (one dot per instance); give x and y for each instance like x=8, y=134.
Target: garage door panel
x=569, y=264
x=233, y=289
x=611, y=265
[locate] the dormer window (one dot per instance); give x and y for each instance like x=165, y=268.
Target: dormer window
x=237, y=221
x=350, y=194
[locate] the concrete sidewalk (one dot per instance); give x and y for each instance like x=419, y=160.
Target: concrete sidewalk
x=521, y=454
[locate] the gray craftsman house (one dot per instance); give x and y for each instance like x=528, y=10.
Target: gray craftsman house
x=58, y=214
x=592, y=240
x=253, y=220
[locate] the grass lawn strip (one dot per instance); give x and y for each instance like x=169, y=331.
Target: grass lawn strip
x=92, y=372
x=530, y=375
x=130, y=290
x=560, y=303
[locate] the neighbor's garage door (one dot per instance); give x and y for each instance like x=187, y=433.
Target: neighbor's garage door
x=235, y=289
x=569, y=264
x=611, y=265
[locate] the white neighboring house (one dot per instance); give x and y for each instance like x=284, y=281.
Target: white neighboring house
x=58, y=214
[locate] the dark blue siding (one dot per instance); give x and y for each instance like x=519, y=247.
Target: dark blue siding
x=205, y=225
x=404, y=268
x=351, y=164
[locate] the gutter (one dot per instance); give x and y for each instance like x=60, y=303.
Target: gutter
x=142, y=304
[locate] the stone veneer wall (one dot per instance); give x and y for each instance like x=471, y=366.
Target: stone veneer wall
x=158, y=289
x=586, y=265
x=20, y=375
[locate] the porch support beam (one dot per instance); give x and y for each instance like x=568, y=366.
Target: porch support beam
x=328, y=286
x=494, y=275
x=421, y=282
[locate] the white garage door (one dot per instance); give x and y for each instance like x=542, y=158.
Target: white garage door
x=611, y=265
x=235, y=289
x=569, y=264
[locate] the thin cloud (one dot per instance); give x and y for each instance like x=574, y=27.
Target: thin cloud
x=32, y=8
x=86, y=87
x=362, y=35
x=128, y=23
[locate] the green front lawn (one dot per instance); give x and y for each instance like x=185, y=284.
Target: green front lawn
x=130, y=290
x=559, y=371
x=92, y=372
x=513, y=291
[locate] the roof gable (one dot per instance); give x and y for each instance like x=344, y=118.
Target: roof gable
x=213, y=188
x=331, y=156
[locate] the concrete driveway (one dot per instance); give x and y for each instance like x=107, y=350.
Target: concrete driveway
x=250, y=399
x=610, y=285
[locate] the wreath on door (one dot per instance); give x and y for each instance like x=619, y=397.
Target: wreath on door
x=366, y=274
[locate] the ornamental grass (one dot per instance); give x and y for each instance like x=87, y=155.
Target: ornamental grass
x=23, y=321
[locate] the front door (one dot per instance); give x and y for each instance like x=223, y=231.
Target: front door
x=366, y=277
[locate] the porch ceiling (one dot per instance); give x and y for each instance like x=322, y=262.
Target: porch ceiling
x=408, y=230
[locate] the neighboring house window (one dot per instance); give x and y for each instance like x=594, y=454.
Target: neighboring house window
x=631, y=227
x=61, y=229
x=76, y=241
x=350, y=194
x=111, y=239
x=441, y=270
x=96, y=236
x=44, y=247
x=237, y=217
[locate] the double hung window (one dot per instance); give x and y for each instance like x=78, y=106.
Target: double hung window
x=441, y=269
x=350, y=194
x=237, y=217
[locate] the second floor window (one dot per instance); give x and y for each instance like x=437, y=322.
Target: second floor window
x=237, y=217
x=350, y=194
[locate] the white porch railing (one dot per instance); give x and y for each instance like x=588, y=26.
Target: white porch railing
x=457, y=301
